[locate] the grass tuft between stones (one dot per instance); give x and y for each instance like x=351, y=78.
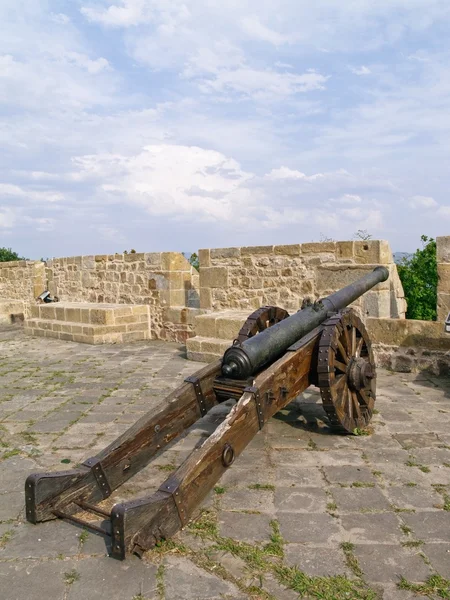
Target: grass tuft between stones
x=71, y=576
x=433, y=586
x=268, y=558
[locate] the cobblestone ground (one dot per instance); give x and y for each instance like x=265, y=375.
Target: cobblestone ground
x=302, y=513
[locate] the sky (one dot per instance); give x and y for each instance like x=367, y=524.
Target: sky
x=183, y=124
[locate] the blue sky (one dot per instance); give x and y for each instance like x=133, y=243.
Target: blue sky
x=178, y=125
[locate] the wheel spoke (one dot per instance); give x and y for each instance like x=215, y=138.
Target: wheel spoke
x=353, y=341
x=343, y=352
x=348, y=342
x=366, y=399
x=356, y=404
x=359, y=347
x=349, y=404
x=341, y=366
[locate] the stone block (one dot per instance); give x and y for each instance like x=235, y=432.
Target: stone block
x=331, y=278
x=60, y=313
x=101, y=316
x=156, y=281
x=408, y=333
x=318, y=247
x=377, y=304
x=177, y=298
x=47, y=312
x=35, y=312
x=215, y=346
x=73, y=315
x=248, y=250
x=174, y=261
x=372, y=252
x=205, y=325
x=213, y=277
x=136, y=310
x=133, y=257
x=344, y=250
x=443, y=249
x=288, y=250
x=204, y=257
x=125, y=319
x=133, y=336
x=137, y=327
x=194, y=344
x=443, y=306
x=88, y=262
x=443, y=270
x=218, y=253
x=202, y=357
x=227, y=328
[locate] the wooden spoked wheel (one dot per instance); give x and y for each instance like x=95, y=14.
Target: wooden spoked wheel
x=261, y=319
x=346, y=372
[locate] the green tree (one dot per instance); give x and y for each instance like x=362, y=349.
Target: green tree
x=194, y=260
x=418, y=274
x=6, y=254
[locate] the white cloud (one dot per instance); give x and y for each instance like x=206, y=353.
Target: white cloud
x=347, y=199
x=360, y=70
x=256, y=30
x=15, y=191
x=423, y=202
x=444, y=211
x=7, y=218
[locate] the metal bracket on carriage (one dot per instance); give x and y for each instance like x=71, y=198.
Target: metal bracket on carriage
x=96, y=467
x=259, y=410
x=198, y=392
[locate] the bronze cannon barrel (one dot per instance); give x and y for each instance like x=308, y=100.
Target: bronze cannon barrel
x=243, y=360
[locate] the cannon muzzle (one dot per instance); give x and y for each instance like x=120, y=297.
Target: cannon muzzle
x=243, y=360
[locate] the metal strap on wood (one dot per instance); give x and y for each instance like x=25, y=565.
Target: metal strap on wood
x=198, y=392
x=172, y=487
x=259, y=411
x=97, y=470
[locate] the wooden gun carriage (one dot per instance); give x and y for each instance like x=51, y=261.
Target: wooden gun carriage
x=274, y=359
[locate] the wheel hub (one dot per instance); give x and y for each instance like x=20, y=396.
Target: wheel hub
x=359, y=374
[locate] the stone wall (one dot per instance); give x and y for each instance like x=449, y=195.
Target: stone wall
x=22, y=280
x=159, y=279
x=250, y=277
x=407, y=345
x=443, y=267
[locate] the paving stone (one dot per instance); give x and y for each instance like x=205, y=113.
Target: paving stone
x=316, y=562
x=303, y=528
x=349, y=474
x=381, y=563
x=413, y=497
x=48, y=540
x=295, y=475
x=300, y=499
x=245, y=499
x=439, y=556
x=32, y=580
x=245, y=527
x=381, y=528
x=355, y=499
x=11, y=505
x=422, y=440
x=184, y=580
x=430, y=526
x=108, y=578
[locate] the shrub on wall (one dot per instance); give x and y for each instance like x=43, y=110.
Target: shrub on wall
x=418, y=274
x=6, y=254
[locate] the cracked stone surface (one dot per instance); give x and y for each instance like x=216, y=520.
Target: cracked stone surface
x=384, y=496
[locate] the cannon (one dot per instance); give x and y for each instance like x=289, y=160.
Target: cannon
x=274, y=359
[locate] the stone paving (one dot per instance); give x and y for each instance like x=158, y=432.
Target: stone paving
x=374, y=508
